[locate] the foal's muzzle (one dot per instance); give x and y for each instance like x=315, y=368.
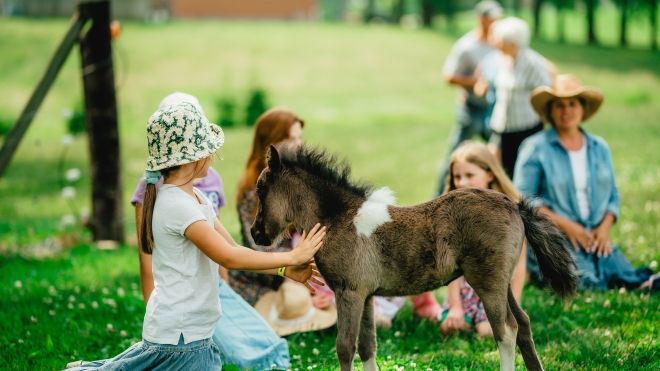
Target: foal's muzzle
x=259, y=236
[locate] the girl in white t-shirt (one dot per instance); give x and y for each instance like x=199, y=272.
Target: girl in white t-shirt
x=188, y=242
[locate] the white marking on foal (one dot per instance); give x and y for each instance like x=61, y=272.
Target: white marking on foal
x=373, y=212
x=370, y=364
x=507, y=348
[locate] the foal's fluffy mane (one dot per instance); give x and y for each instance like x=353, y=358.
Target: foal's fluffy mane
x=320, y=164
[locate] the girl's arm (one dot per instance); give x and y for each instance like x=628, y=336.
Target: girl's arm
x=146, y=274
x=454, y=294
x=223, y=252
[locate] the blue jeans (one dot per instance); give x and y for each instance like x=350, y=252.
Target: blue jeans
x=596, y=273
x=471, y=121
x=145, y=355
x=244, y=337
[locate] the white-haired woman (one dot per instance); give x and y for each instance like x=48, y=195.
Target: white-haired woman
x=511, y=74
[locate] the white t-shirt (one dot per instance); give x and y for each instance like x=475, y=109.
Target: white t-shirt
x=185, y=297
x=579, y=168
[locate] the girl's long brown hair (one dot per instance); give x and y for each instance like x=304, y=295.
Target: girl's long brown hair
x=145, y=231
x=478, y=154
x=272, y=127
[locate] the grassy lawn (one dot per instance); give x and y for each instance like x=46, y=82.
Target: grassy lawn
x=373, y=95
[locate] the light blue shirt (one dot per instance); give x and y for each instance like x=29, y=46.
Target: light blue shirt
x=543, y=174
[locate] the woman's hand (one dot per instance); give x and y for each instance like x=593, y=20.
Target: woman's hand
x=305, y=273
x=601, y=245
x=578, y=236
x=308, y=246
x=480, y=88
x=455, y=321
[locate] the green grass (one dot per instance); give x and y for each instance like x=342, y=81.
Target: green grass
x=373, y=95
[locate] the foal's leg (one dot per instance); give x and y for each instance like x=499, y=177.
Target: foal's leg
x=524, y=339
x=350, y=306
x=493, y=294
x=367, y=337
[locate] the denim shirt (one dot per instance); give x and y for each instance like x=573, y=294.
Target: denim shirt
x=543, y=173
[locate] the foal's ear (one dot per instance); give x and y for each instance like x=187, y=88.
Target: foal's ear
x=274, y=162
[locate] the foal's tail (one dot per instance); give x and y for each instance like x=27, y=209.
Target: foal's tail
x=556, y=262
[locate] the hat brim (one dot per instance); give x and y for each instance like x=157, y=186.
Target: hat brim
x=543, y=95
x=320, y=320
x=215, y=141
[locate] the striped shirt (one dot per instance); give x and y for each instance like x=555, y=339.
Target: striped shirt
x=513, y=111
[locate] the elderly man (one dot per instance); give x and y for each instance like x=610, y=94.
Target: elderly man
x=460, y=69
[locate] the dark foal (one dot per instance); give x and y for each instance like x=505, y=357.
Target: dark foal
x=375, y=248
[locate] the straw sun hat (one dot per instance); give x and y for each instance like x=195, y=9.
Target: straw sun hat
x=566, y=86
x=179, y=134
x=289, y=310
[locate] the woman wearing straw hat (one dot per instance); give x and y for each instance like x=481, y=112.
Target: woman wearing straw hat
x=570, y=175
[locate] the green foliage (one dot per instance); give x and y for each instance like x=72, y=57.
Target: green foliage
x=5, y=125
x=226, y=112
x=256, y=105
x=75, y=120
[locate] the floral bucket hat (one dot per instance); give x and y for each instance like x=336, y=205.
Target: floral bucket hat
x=180, y=134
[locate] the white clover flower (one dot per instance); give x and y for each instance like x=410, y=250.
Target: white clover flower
x=105, y=291
x=653, y=265
x=120, y=292
x=397, y=334
x=67, y=113
x=72, y=298
x=34, y=319
x=70, y=305
x=95, y=304
x=51, y=312
x=315, y=352
x=68, y=192
x=68, y=140
x=52, y=291
x=72, y=174
x=302, y=344
x=81, y=305
x=413, y=364
x=123, y=333
x=67, y=220
x=18, y=284
x=109, y=327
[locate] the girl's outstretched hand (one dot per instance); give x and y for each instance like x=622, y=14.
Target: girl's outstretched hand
x=309, y=245
x=305, y=273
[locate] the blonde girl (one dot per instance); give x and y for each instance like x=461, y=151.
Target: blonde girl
x=473, y=165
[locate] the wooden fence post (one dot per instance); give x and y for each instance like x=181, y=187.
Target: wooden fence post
x=106, y=220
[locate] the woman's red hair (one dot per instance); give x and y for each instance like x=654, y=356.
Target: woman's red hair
x=272, y=127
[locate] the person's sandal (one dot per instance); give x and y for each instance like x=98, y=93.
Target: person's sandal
x=652, y=284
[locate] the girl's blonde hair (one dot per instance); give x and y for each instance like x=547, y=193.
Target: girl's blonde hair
x=478, y=154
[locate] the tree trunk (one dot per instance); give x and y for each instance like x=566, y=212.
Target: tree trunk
x=537, y=17
x=623, y=31
x=653, y=6
x=398, y=10
x=591, y=22
x=427, y=13
x=101, y=120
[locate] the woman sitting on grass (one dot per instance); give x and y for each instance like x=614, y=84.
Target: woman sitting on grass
x=473, y=165
x=180, y=230
x=569, y=174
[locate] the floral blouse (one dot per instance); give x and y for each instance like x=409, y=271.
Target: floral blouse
x=251, y=286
